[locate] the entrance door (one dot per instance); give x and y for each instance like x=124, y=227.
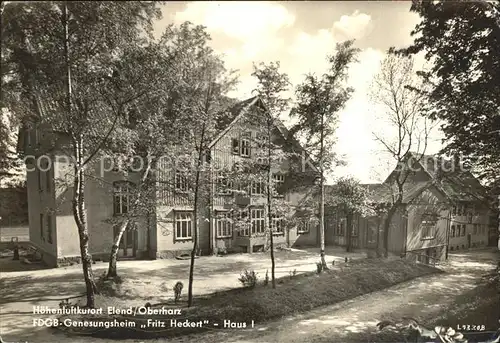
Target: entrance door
x=469, y=243
x=128, y=243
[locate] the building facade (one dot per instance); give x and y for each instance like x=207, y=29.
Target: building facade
x=167, y=231
x=440, y=212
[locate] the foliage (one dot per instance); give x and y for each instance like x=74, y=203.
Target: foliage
x=178, y=291
x=348, y=195
x=407, y=132
x=56, y=69
x=463, y=80
x=10, y=163
x=248, y=278
x=319, y=100
x=266, y=279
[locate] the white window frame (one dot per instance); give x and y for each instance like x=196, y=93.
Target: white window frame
x=354, y=230
x=224, y=186
x=371, y=232
x=428, y=226
x=257, y=188
x=242, y=145
x=183, y=225
x=181, y=182
x=239, y=217
x=121, y=197
x=304, y=226
x=258, y=221
x=278, y=182
x=277, y=225
x=223, y=224
x=341, y=227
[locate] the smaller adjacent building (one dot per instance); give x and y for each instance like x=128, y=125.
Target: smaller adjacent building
x=444, y=208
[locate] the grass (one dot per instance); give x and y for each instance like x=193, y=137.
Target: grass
x=292, y=295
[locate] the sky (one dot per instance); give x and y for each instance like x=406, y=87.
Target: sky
x=300, y=35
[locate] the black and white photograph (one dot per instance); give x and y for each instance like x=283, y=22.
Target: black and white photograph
x=250, y=171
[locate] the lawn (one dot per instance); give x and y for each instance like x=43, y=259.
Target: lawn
x=293, y=294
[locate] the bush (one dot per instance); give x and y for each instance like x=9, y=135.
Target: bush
x=319, y=267
x=248, y=278
x=178, y=290
x=266, y=280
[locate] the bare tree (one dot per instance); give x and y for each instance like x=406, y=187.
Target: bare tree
x=405, y=134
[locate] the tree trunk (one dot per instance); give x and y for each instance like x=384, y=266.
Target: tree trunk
x=114, y=250
x=79, y=213
x=269, y=205
x=387, y=224
x=112, y=270
x=195, y=205
x=377, y=249
x=349, y=232
x=322, y=199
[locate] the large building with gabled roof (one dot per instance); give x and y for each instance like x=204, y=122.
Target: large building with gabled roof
x=168, y=230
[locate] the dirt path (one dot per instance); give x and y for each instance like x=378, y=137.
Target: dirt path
x=334, y=322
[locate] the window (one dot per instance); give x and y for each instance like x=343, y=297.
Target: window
x=223, y=224
x=279, y=181
x=371, y=232
x=241, y=222
x=475, y=229
x=341, y=227
x=463, y=230
x=183, y=225
x=454, y=211
x=257, y=187
x=428, y=226
x=277, y=225
x=181, y=182
x=241, y=146
x=305, y=226
x=42, y=234
x=257, y=220
x=224, y=186
x=245, y=146
x=49, y=228
x=354, y=230
x=452, y=231
x=236, y=146
x=121, y=197
x=37, y=137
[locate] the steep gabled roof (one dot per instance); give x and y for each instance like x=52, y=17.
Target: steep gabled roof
x=383, y=193
x=236, y=112
x=457, y=183
x=239, y=110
